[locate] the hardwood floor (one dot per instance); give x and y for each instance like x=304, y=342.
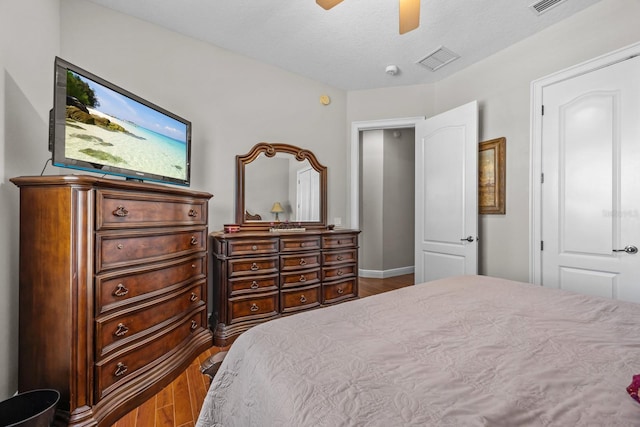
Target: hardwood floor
x=178, y=404
x=368, y=286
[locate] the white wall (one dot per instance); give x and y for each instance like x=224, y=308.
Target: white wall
x=29, y=40
x=501, y=84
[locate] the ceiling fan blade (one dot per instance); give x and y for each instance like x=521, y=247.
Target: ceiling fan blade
x=328, y=4
x=409, y=15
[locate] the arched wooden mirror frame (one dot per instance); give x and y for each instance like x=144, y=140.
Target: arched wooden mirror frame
x=270, y=150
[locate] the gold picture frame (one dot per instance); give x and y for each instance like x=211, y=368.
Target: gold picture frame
x=492, y=176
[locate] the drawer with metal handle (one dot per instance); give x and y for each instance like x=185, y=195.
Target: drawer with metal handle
x=338, y=291
x=337, y=241
x=339, y=272
x=126, y=209
x=299, y=278
x=253, y=307
x=300, y=261
x=120, y=249
x=299, y=243
x=243, y=247
x=252, y=266
x=124, y=287
x=253, y=284
x=303, y=298
x=339, y=257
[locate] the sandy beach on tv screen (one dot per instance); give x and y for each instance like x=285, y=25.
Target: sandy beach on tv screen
x=136, y=150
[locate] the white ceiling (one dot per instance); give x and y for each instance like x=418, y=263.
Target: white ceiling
x=351, y=45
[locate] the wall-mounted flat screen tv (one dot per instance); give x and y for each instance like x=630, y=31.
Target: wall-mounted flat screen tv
x=99, y=127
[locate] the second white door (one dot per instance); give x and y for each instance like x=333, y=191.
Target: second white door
x=447, y=194
x=591, y=188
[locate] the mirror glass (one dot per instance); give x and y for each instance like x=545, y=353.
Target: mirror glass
x=281, y=188
x=280, y=183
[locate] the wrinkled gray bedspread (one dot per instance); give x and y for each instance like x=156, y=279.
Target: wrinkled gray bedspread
x=465, y=351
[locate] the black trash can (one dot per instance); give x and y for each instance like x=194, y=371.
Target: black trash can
x=35, y=408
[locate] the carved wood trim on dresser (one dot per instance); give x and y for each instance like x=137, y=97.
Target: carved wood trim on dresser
x=113, y=291
x=261, y=275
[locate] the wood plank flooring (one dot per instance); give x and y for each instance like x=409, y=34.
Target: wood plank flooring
x=178, y=404
x=368, y=286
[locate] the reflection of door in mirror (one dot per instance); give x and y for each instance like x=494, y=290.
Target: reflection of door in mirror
x=308, y=195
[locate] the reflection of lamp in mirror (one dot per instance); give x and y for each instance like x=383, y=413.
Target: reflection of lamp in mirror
x=277, y=209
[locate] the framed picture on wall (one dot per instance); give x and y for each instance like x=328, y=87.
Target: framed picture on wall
x=491, y=179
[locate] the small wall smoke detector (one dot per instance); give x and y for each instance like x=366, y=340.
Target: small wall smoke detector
x=392, y=70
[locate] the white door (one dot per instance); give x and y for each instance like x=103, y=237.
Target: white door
x=591, y=188
x=308, y=195
x=447, y=194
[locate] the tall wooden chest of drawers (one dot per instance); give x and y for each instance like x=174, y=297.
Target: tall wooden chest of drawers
x=261, y=275
x=113, y=291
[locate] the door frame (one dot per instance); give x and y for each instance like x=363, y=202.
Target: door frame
x=354, y=148
x=535, y=184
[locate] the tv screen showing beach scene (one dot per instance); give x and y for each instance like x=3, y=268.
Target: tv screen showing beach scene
x=110, y=130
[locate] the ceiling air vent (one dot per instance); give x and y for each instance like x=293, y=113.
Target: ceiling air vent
x=438, y=58
x=542, y=6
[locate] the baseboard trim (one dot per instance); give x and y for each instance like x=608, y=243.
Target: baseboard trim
x=384, y=274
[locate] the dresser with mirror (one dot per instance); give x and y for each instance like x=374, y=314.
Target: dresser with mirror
x=281, y=257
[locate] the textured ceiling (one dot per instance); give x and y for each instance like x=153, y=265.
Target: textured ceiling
x=351, y=45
